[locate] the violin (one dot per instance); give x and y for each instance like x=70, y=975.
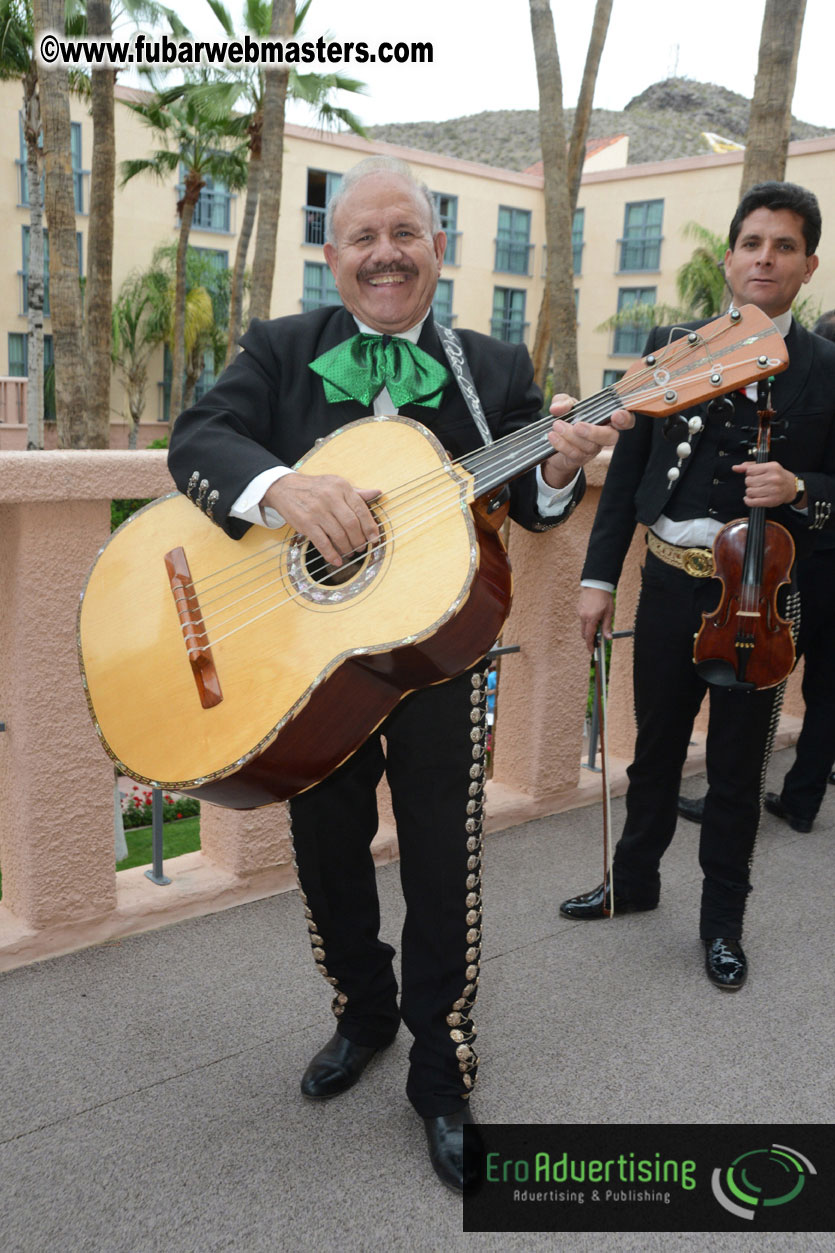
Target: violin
x=744, y=642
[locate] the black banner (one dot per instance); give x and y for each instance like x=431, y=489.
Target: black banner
x=649, y=1178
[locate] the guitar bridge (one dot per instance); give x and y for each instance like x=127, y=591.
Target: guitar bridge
x=193, y=628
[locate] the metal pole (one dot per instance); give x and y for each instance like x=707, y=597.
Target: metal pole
x=594, y=729
x=155, y=873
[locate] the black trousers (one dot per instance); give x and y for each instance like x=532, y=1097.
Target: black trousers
x=431, y=748
x=805, y=784
x=668, y=694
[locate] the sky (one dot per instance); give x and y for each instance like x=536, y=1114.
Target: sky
x=483, y=52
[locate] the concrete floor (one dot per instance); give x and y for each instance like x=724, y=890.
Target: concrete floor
x=150, y=1085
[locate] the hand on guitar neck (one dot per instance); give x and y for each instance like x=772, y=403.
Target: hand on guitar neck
x=578, y=443
x=327, y=510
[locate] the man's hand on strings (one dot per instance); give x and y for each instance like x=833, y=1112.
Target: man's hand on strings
x=577, y=443
x=326, y=509
x=596, y=609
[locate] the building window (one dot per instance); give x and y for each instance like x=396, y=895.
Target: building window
x=448, y=213
x=577, y=225
x=321, y=185
x=319, y=287
x=640, y=248
x=508, y=321
x=213, y=211
x=513, y=246
x=442, y=304
x=610, y=377
x=19, y=366
x=78, y=173
x=629, y=340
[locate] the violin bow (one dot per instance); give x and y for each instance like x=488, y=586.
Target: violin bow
x=603, y=724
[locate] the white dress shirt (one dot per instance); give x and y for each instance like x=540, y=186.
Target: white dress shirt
x=551, y=501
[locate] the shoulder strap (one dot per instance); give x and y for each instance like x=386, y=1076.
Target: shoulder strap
x=455, y=356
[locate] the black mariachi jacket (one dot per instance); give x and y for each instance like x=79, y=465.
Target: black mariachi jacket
x=637, y=488
x=268, y=409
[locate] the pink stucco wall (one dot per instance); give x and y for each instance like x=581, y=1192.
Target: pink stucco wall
x=60, y=886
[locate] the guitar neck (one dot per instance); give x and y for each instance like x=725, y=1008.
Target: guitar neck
x=512, y=455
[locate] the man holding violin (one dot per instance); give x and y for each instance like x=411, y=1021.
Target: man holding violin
x=685, y=501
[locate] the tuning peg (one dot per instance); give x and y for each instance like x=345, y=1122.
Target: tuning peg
x=720, y=406
x=676, y=428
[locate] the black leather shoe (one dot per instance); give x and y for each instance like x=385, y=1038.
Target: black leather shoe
x=335, y=1068
x=692, y=808
x=445, y=1135
x=775, y=806
x=593, y=905
x=726, y=964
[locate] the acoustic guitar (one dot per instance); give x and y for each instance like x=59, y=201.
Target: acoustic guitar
x=246, y=671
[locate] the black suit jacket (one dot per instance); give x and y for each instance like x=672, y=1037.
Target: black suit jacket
x=268, y=409
x=637, y=488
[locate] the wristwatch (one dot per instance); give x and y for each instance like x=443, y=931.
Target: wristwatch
x=801, y=490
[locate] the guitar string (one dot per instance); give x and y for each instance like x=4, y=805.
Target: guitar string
x=594, y=410
x=418, y=501
x=424, y=520
x=398, y=532
x=474, y=462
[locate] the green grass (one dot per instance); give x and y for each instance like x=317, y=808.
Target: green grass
x=177, y=837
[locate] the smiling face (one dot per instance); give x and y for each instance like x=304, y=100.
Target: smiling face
x=384, y=258
x=768, y=264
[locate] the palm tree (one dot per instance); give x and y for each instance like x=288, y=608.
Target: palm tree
x=201, y=146
x=143, y=318
x=769, y=125
x=243, y=87
x=700, y=282
x=64, y=289
x=99, y=288
x=17, y=61
x=272, y=159
x=140, y=323
x=557, y=323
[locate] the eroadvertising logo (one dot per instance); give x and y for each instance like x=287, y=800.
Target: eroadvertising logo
x=649, y=1177
x=761, y=1178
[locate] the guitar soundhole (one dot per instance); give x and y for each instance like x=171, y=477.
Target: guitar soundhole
x=316, y=580
x=320, y=570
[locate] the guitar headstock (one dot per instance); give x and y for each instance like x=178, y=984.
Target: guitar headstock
x=735, y=349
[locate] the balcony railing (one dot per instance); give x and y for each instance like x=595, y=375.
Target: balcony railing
x=511, y=330
x=60, y=886
x=13, y=401
x=513, y=258
x=314, y=224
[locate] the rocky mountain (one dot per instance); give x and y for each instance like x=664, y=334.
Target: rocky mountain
x=663, y=122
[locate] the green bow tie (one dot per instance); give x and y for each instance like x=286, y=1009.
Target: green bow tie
x=364, y=364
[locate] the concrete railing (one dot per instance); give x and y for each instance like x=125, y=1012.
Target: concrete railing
x=13, y=402
x=61, y=889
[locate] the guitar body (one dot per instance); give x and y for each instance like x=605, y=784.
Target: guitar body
x=246, y=671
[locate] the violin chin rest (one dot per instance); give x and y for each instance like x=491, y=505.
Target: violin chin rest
x=721, y=674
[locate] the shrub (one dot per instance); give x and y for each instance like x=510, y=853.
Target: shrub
x=137, y=808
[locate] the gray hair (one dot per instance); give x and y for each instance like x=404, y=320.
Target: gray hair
x=379, y=165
